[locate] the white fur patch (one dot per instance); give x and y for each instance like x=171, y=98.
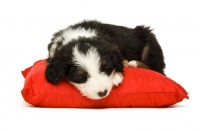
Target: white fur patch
x=89, y=61
x=70, y=34
x=52, y=49
x=97, y=82
x=133, y=63
x=73, y=34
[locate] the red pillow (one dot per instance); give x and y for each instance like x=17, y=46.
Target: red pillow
x=140, y=88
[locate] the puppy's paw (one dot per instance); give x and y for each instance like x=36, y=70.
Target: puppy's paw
x=117, y=78
x=125, y=63
x=133, y=63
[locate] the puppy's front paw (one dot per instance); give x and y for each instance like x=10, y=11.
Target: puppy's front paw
x=117, y=78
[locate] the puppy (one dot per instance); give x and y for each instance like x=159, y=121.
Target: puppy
x=91, y=55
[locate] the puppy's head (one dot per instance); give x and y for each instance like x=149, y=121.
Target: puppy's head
x=90, y=65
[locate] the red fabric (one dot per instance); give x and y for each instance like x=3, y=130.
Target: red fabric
x=140, y=88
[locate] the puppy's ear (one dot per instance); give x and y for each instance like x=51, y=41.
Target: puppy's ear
x=55, y=70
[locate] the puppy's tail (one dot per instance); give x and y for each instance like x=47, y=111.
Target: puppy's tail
x=143, y=33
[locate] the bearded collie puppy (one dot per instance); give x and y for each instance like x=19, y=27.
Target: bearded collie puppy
x=91, y=55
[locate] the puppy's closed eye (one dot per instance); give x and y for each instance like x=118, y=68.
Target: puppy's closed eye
x=77, y=75
x=106, y=67
x=107, y=70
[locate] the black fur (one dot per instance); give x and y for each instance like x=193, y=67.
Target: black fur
x=130, y=42
x=113, y=43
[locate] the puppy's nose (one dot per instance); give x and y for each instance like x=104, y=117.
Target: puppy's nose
x=102, y=94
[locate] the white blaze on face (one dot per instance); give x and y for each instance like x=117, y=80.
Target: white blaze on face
x=96, y=82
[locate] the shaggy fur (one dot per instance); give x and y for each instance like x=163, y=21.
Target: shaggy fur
x=91, y=55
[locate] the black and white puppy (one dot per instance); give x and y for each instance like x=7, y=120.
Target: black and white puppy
x=91, y=55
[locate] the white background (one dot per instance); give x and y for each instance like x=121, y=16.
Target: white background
x=26, y=27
